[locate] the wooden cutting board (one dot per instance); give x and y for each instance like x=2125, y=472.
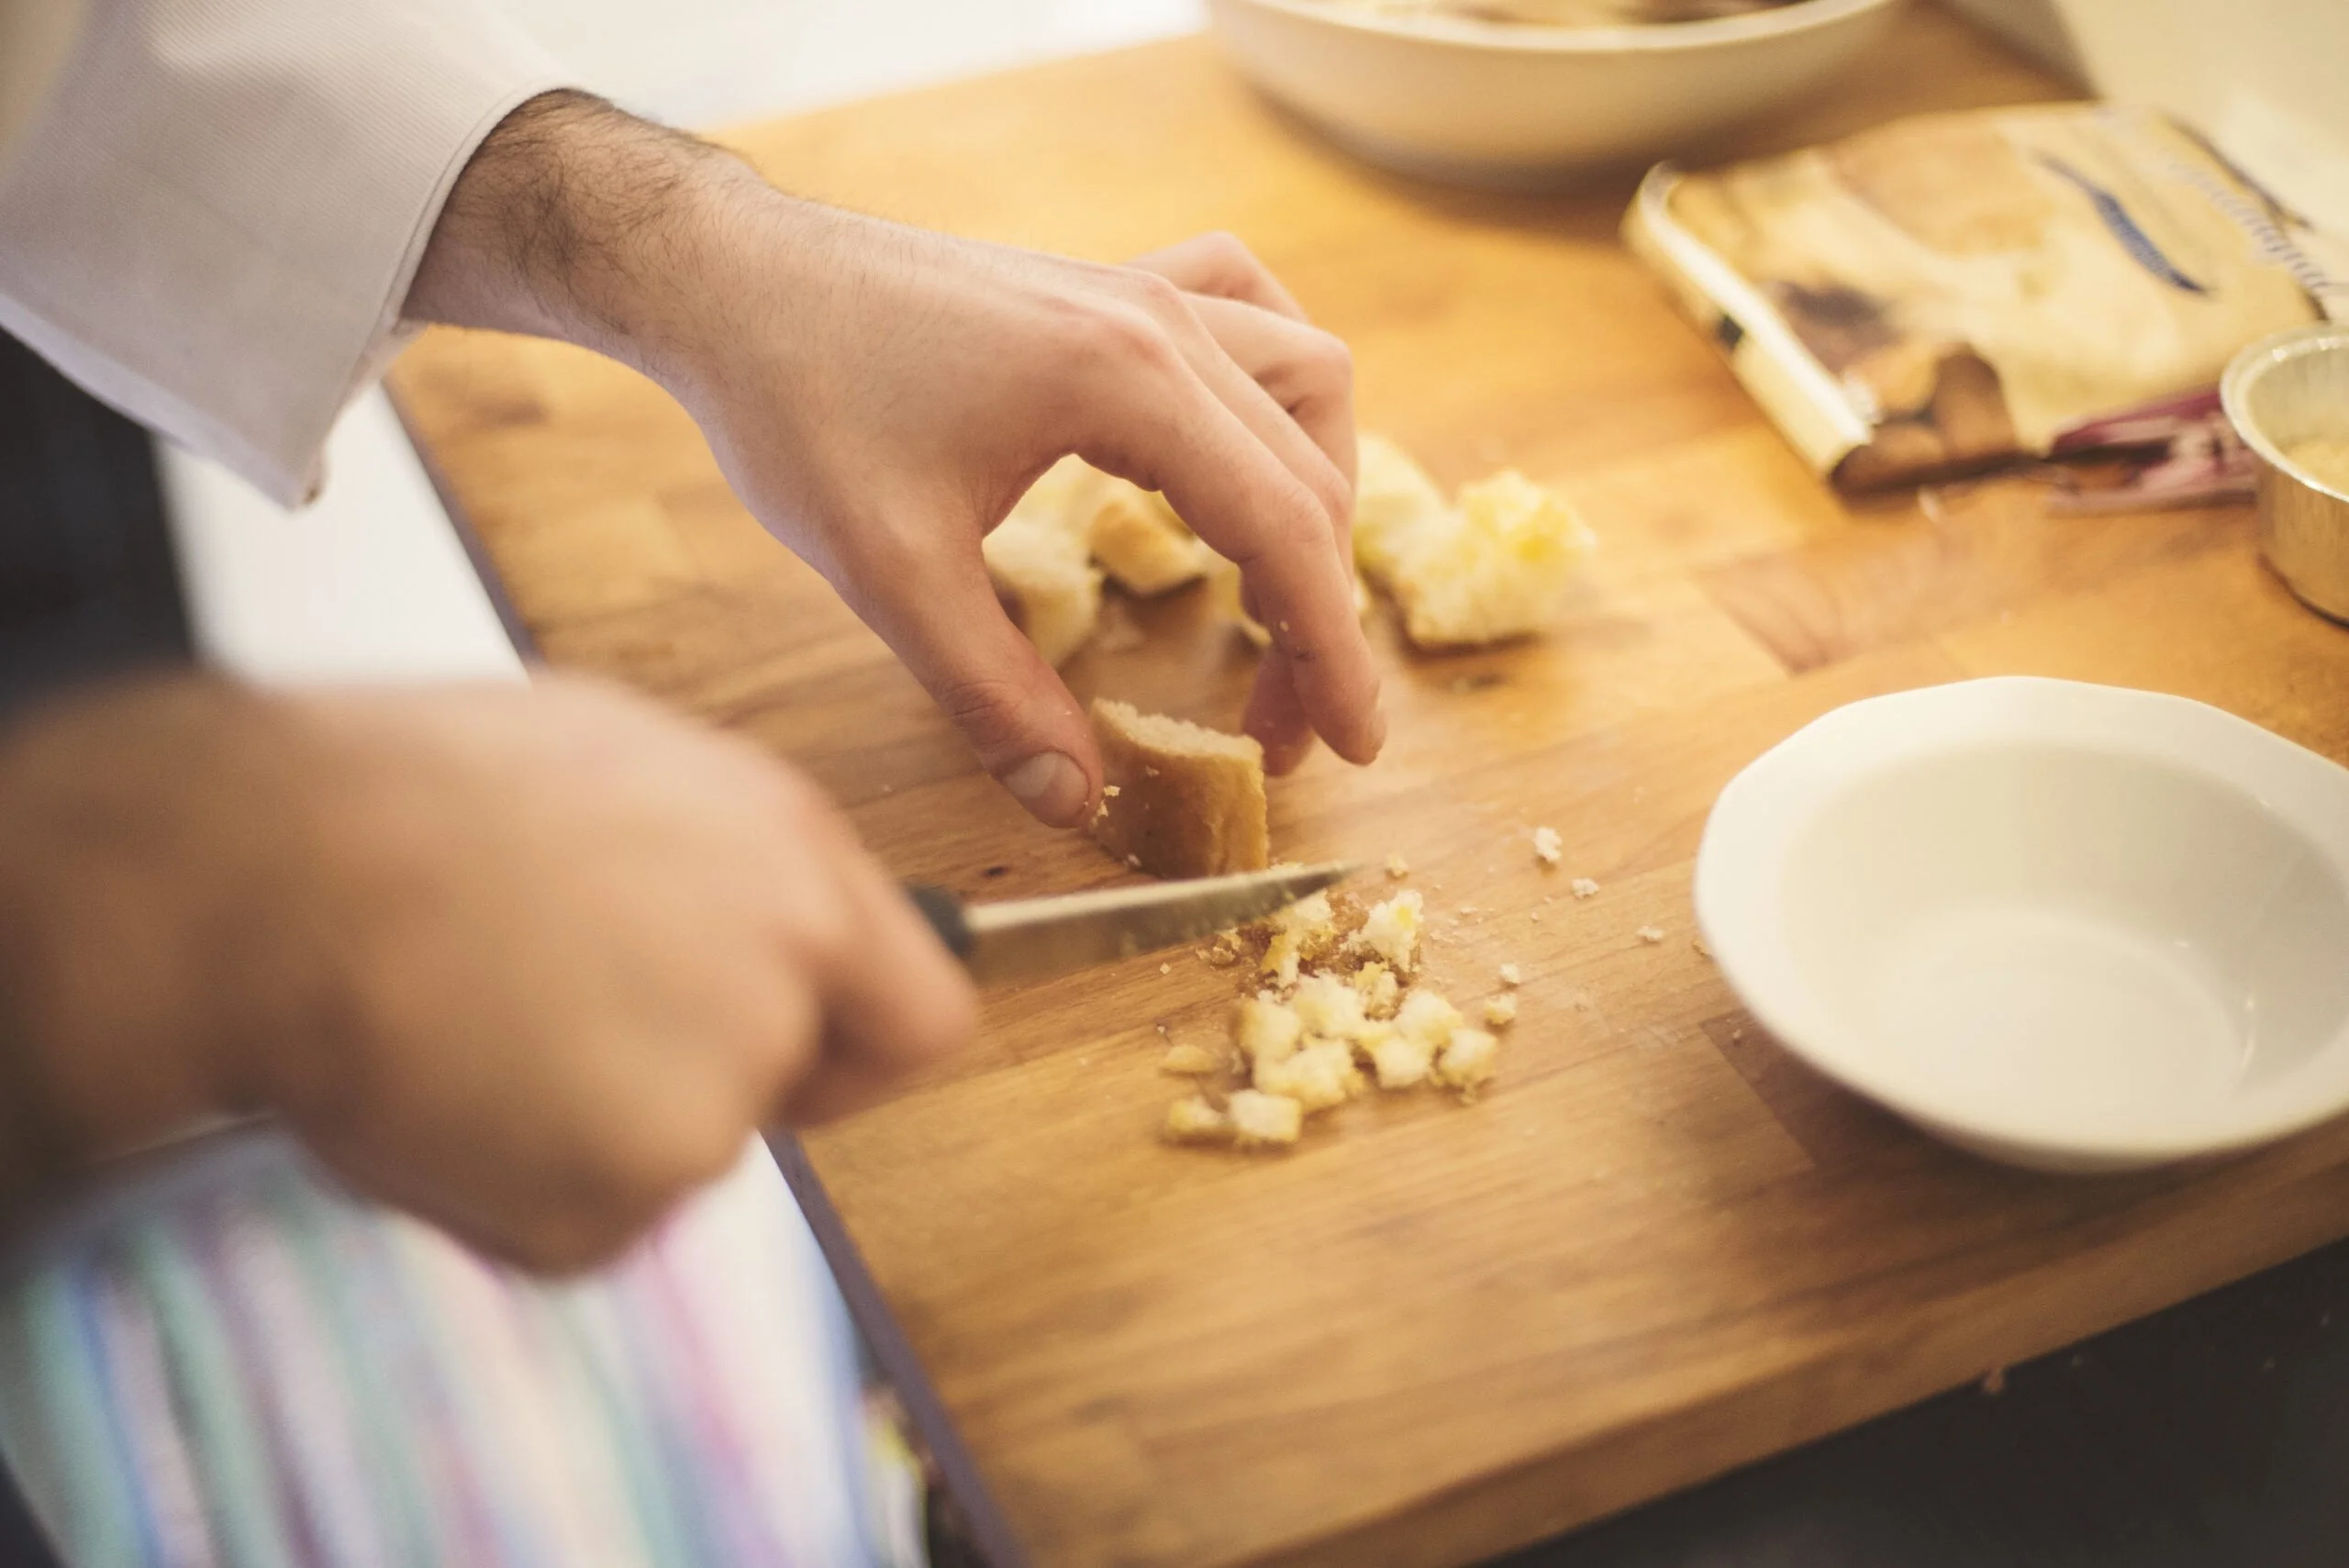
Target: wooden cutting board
x=1660, y=1247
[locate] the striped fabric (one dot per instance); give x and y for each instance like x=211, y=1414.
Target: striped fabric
x=234, y=1364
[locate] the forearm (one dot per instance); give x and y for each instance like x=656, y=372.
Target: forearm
x=139, y=830
x=576, y=221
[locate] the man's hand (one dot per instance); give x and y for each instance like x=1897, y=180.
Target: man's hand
x=880, y=395
x=531, y=964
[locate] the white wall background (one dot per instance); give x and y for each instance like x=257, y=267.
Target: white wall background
x=710, y=61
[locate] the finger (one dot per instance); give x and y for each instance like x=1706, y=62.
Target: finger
x=1306, y=370
x=1166, y=432
x=1254, y=406
x=1221, y=265
x=937, y=611
x=1275, y=716
x=894, y=1001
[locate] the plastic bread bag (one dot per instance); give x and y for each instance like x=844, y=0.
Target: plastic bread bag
x=1955, y=293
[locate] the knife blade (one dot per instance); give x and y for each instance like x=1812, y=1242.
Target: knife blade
x=1033, y=938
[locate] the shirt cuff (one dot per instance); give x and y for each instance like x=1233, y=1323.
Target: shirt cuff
x=215, y=221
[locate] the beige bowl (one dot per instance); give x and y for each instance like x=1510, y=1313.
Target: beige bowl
x=1501, y=105
x=2279, y=392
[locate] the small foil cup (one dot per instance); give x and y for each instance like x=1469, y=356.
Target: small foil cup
x=2279, y=392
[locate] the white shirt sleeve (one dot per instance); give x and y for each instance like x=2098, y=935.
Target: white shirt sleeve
x=214, y=221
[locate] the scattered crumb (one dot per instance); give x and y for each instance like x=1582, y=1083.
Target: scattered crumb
x=1534, y=916
x=1261, y=1120
x=1427, y=1019
x=1381, y=993
x=1994, y=1383
x=1735, y=1035
x=1266, y=1031
x=1195, y=1120
x=1584, y=887
x=1111, y=791
x=1328, y=1005
x=1512, y=976
x=1500, y=1012
x=1165, y=968
x=1398, y=867
x=1190, y=1062
x=1467, y=909
x=1651, y=934
x=1547, y=849
x=1400, y=1062
x=1392, y=929
x=1698, y=943
x=1316, y=1077
x=1466, y=1061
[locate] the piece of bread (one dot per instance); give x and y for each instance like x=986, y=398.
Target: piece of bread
x=1041, y=568
x=1138, y=539
x=1189, y=801
x=1492, y=566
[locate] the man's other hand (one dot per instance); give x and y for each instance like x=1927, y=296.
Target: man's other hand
x=531, y=963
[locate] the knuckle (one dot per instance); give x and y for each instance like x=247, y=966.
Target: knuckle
x=1328, y=358
x=1120, y=338
x=1228, y=251
x=1155, y=294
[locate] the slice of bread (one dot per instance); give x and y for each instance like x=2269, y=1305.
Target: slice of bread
x=1182, y=800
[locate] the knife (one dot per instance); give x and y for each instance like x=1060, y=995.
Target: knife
x=1033, y=938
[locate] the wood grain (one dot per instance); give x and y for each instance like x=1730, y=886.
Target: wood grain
x=1661, y=1248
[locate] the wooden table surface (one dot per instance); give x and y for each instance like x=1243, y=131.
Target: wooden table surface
x=1660, y=1247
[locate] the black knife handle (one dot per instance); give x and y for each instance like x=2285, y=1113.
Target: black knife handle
x=944, y=913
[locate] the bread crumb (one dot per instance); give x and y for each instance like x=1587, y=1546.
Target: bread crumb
x=1165, y=968
x=1327, y=1005
x=1111, y=791
x=1259, y=1121
x=1427, y=1019
x=1190, y=1062
x=1195, y=1120
x=1282, y=958
x=1319, y=1075
x=1266, y=1032
x=1392, y=929
x=1994, y=1382
x=1511, y=975
x=1397, y=868
x=1467, y=909
x=1698, y=943
x=1502, y=1011
x=1380, y=991
x=1582, y=888
x=1399, y=1061
x=1547, y=849
x=1651, y=934
x=1466, y=1061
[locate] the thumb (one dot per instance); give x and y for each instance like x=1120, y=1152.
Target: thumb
x=943, y=620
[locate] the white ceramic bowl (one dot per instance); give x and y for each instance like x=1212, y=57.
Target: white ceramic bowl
x=2070, y=926
x=1501, y=104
